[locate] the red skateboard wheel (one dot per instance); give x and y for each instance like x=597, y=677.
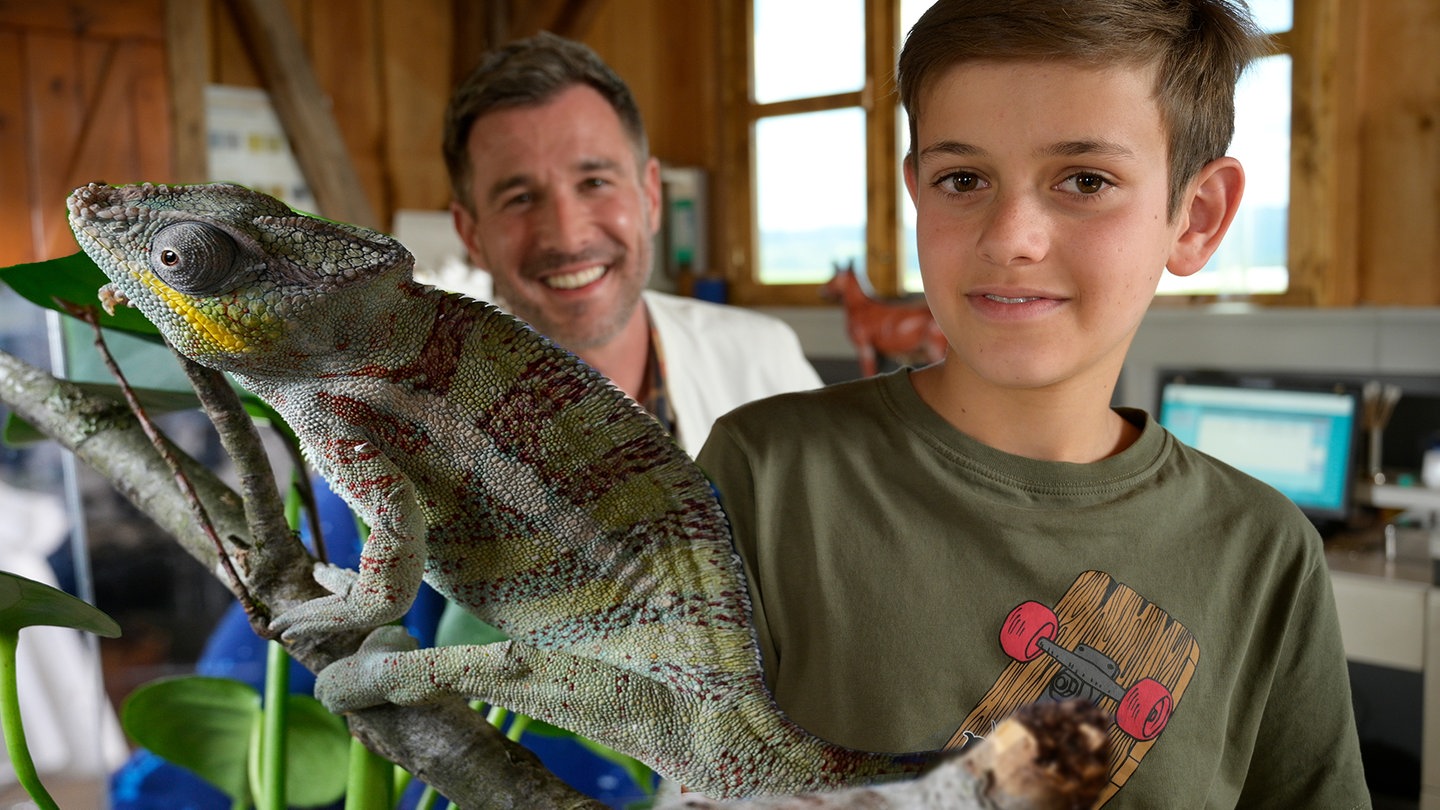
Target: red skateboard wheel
x=1021, y=633
x=1145, y=709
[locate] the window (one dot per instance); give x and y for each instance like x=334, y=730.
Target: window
x=1253, y=259
x=817, y=133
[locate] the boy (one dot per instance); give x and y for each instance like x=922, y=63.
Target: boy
x=895, y=529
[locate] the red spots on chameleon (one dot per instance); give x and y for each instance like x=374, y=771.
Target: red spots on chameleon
x=434, y=368
x=544, y=391
x=638, y=456
x=392, y=432
x=363, y=488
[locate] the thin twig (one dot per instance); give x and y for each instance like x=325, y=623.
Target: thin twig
x=162, y=446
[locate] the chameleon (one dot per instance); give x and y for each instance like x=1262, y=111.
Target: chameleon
x=487, y=461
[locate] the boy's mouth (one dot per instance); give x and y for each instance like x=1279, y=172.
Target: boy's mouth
x=1004, y=299
x=577, y=279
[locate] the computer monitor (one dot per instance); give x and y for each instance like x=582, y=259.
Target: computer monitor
x=1299, y=438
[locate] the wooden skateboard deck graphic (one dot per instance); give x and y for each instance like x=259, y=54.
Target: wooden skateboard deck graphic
x=1101, y=641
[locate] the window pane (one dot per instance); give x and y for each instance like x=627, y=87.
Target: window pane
x=1252, y=259
x=910, y=11
x=909, y=259
x=810, y=194
x=804, y=49
x=1273, y=16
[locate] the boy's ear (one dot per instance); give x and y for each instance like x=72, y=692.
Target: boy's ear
x=1206, y=214
x=908, y=164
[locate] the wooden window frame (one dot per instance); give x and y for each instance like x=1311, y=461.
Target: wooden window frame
x=737, y=161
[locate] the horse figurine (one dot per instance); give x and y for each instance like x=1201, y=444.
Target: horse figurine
x=903, y=331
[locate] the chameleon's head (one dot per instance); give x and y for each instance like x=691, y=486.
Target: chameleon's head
x=226, y=273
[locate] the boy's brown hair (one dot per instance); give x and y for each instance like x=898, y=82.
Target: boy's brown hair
x=525, y=73
x=1200, y=48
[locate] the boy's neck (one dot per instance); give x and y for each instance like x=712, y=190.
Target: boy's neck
x=1066, y=423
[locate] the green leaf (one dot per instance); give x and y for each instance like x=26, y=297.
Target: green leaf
x=201, y=724
x=204, y=724
x=318, y=746
x=458, y=626
x=27, y=603
x=73, y=279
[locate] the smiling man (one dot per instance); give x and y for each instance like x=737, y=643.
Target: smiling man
x=557, y=196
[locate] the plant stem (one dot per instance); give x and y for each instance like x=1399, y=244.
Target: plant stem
x=272, y=738
x=371, y=779
x=14, y=730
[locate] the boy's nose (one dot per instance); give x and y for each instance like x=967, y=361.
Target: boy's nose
x=1014, y=231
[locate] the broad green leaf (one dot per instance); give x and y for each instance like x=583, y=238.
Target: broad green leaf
x=204, y=724
x=318, y=747
x=74, y=279
x=458, y=626
x=27, y=603
x=201, y=724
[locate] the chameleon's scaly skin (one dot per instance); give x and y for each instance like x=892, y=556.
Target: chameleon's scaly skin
x=514, y=478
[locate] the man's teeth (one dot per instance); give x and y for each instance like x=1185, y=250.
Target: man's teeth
x=1004, y=300
x=576, y=280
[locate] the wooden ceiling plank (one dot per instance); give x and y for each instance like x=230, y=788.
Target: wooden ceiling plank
x=116, y=19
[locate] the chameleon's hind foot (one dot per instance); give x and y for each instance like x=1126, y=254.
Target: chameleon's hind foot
x=369, y=677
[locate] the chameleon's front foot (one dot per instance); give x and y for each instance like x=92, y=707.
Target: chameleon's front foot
x=349, y=607
x=369, y=677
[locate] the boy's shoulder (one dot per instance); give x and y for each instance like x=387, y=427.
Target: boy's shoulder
x=841, y=399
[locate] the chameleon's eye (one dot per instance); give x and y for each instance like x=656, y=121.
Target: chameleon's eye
x=193, y=257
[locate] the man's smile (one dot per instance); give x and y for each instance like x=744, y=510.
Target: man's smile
x=576, y=279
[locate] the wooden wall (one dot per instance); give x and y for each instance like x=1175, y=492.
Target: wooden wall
x=1397, y=207
x=85, y=95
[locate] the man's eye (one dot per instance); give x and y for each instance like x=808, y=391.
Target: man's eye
x=594, y=182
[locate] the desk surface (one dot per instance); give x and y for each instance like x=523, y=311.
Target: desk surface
x=1363, y=554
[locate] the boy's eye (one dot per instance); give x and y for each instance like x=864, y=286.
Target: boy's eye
x=1088, y=183
x=960, y=181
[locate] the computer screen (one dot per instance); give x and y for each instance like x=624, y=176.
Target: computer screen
x=1299, y=440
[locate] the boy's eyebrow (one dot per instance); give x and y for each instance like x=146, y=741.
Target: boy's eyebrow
x=1097, y=146
x=1077, y=148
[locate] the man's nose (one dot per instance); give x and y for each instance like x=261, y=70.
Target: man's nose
x=564, y=222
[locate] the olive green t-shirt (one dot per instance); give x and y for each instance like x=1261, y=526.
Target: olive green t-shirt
x=912, y=586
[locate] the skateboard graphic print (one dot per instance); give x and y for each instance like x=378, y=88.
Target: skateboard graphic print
x=1102, y=642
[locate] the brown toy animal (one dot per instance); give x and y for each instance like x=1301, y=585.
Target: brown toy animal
x=900, y=330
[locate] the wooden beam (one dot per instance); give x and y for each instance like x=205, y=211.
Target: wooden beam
x=279, y=58
x=567, y=18
x=576, y=17
x=1324, y=167
x=187, y=61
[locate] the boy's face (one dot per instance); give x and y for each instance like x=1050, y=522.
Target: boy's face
x=563, y=215
x=1040, y=192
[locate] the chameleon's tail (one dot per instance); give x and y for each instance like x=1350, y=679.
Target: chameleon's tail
x=766, y=752
x=728, y=742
